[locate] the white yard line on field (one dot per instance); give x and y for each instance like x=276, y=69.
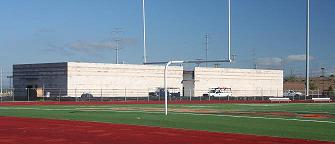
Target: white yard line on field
x=268, y=118
x=189, y=113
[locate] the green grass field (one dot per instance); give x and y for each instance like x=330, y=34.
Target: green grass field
x=307, y=121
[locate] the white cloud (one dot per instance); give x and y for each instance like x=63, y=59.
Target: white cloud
x=299, y=57
x=268, y=61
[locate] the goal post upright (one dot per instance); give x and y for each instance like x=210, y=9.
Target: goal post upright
x=144, y=33
x=229, y=22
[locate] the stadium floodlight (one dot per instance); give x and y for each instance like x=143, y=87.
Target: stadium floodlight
x=307, y=48
x=165, y=82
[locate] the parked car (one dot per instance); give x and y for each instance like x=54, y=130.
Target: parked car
x=173, y=92
x=86, y=95
x=219, y=92
x=290, y=93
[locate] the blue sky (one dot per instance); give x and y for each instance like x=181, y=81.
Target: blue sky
x=270, y=33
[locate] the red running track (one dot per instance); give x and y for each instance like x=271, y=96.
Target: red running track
x=15, y=130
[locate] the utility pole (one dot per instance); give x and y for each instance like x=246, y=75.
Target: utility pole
x=117, y=51
x=117, y=43
x=206, y=44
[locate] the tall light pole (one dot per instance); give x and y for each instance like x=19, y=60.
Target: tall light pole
x=144, y=33
x=307, y=48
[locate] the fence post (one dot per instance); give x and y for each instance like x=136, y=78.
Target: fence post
x=189, y=90
x=148, y=95
x=101, y=94
x=28, y=93
x=59, y=94
x=318, y=93
x=125, y=94
x=13, y=94
x=43, y=94
x=75, y=94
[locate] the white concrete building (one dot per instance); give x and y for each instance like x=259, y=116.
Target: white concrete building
x=106, y=80
x=128, y=80
x=243, y=82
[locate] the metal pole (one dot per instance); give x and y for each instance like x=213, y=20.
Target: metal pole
x=75, y=94
x=28, y=93
x=307, y=49
x=229, y=31
x=206, y=42
x=144, y=33
x=190, y=94
x=165, y=86
x=125, y=94
x=59, y=95
x=13, y=94
x=165, y=82
x=101, y=94
x=148, y=95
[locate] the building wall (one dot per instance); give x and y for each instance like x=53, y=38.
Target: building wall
x=188, y=83
x=115, y=80
x=118, y=80
x=49, y=75
x=243, y=82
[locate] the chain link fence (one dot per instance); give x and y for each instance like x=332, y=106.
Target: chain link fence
x=174, y=94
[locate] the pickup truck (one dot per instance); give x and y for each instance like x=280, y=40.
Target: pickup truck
x=219, y=92
x=290, y=93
